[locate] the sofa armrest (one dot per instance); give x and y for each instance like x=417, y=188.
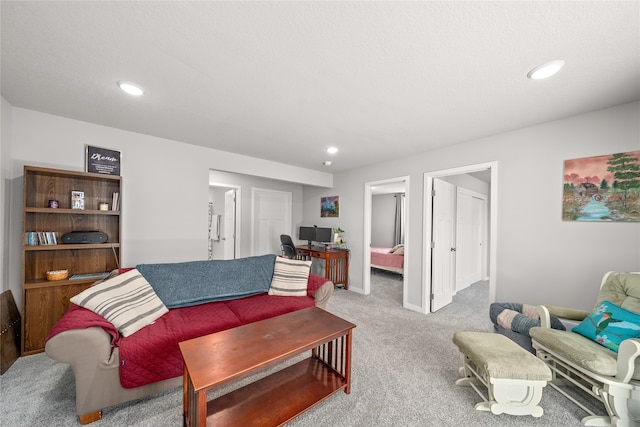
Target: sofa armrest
x=546, y=311
x=323, y=293
x=628, y=352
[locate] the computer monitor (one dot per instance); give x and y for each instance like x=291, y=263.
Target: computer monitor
x=307, y=233
x=324, y=235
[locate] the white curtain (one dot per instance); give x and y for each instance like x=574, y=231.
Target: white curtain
x=398, y=230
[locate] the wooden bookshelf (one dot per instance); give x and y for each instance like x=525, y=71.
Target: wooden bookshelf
x=45, y=301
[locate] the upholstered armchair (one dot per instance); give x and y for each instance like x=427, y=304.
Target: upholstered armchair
x=600, y=354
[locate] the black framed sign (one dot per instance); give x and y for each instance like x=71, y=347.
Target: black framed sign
x=102, y=160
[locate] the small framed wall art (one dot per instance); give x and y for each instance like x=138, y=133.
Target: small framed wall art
x=602, y=188
x=102, y=160
x=330, y=207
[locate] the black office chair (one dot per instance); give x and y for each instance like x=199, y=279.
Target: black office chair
x=287, y=247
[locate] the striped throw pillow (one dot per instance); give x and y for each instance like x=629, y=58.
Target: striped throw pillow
x=127, y=300
x=290, y=277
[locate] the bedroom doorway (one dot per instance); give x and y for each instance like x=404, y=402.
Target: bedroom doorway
x=386, y=225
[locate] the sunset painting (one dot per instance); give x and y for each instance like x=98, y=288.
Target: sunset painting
x=602, y=188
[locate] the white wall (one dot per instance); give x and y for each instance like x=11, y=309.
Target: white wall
x=383, y=213
x=165, y=183
x=540, y=258
x=5, y=199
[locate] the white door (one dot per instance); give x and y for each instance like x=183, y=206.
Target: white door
x=443, y=249
x=271, y=217
x=229, y=232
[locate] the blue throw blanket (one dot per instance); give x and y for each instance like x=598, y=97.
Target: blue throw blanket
x=196, y=282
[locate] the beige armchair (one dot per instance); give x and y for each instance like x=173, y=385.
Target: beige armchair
x=612, y=378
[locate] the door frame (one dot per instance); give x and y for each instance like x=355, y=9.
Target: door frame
x=428, y=220
x=366, y=265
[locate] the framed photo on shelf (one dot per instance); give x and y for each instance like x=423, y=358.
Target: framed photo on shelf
x=102, y=160
x=77, y=200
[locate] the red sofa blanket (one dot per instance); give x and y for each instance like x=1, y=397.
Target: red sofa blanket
x=152, y=353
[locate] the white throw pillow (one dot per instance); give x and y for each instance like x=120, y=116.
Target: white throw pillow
x=290, y=277
x=127, y=300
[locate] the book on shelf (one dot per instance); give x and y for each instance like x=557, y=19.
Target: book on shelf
x=37, y=238
x=89, y=276
x=115, y=201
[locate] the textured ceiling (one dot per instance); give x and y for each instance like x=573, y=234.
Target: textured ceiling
x=284, y=80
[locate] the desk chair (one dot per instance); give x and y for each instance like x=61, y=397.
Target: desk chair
x=287, y=247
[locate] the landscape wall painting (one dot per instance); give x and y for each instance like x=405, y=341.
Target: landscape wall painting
x=602, y=188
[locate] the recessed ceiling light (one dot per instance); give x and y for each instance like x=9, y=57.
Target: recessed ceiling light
x=332, y=150
x=545, y=70
x=130, y=88
x=327, y=163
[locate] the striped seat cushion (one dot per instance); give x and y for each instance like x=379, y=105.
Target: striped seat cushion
x=290, y=277
x=127, y=301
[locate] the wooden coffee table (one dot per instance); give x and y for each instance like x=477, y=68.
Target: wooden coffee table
x=225, y=356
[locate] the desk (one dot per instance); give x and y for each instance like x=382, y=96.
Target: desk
x=336, y=262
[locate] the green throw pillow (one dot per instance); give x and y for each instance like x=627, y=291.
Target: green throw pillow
x=609, y=325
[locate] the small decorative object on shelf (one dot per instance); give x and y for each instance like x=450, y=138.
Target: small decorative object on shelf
x=104, y=206
x=77, y=200
x=57, y=274
x=54, y=204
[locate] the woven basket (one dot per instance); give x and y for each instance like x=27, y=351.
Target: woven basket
x=57, y=275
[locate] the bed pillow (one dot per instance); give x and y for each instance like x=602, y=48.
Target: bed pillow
x=127, y=301
x=395, y=248
x=609, y=325
x=290, y=277
x=399, y=251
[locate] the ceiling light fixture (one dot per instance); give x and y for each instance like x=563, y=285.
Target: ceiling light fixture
x=130, y=88
x=327, y=163
x=545, y=70
x=332, y=150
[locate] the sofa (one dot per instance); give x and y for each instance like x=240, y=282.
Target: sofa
x=118, y=360
x=600, y=355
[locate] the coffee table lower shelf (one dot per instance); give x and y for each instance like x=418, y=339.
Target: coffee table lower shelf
x=286, y=393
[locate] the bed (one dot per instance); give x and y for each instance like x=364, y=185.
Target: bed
x=389, y=259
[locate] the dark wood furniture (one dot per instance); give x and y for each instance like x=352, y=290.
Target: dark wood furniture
x=45, y=301
x=220, y=358
x=336, y=262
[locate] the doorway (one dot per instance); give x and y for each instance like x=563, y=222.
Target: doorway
x=439, y=272
x=394, y=186
x=224, y=221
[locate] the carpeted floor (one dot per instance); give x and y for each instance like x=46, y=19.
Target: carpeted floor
x=404, y=369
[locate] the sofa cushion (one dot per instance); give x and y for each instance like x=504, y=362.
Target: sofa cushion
x=127, y=301
x=264, y=306
x=609, y=325
x=153, y=354
x=290, y=277
x=196, y=282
